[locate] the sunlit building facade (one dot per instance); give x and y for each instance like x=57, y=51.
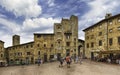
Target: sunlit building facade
x=46, y=46
x=103, y=38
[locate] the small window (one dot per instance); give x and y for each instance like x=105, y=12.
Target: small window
x=100, y=33
x=119, y=40
x=110, y=41
x=100, y=42
x=27, y=46
x=51, y=45
x=68, y=36
x=28, y=53
x=87, y=45
x=74, y=39
x=38, y=45
x=74, y=50
x=119, y=28
x=1, y=55
x=21, y=53
x=44, y=45
x=31, y=46
x=38, y=52
x=110, y=30
x=110, y=22
x=68, y=43
x=92, y=45
x=58, y=42
x=58, y=27
x=18, y=54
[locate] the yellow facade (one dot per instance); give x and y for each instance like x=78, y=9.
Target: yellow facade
x=23, y=53
x=103, y=37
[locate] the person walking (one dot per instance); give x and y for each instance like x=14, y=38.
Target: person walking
x=68, y=60
x=76, y=59
x=39, y=62
x=80, y=58
x=61, y=60
x=119, y=61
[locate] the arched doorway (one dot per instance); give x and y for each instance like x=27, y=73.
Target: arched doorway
x=79, y=49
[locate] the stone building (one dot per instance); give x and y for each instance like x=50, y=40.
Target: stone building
x=66, y=37
x=103, y=38
x=2, y=54
x=22, y=53
x=43, y=46
x=46, y=46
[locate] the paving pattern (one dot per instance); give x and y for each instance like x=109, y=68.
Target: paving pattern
x=87, y=68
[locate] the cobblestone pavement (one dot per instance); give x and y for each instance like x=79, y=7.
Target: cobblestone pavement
x=87, y=68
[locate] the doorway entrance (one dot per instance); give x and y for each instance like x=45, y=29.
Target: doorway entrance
x=67, y=52
x=58, y=56
x=32, y=60
x=92, y=56
x=45, y=57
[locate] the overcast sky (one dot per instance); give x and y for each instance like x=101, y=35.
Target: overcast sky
x=25, y=17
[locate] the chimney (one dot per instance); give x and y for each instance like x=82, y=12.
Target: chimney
x=108, y=15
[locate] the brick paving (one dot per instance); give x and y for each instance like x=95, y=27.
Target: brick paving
x=87, y=68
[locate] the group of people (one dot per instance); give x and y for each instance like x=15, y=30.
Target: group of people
x=114, y=59
x=69, y=59
x=117, y=61
x=40, y=61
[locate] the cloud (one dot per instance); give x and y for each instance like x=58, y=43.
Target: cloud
x=27, y=8
x=9, y=25
x=61, y=8
x=50, y=3
x=38, y=23
x=92, y=11
x=7, y=39
x=2, y=16
x=97, y=12
x=26, y=30
x=81, y=35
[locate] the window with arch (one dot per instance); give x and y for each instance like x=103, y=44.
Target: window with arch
x=1, y=55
